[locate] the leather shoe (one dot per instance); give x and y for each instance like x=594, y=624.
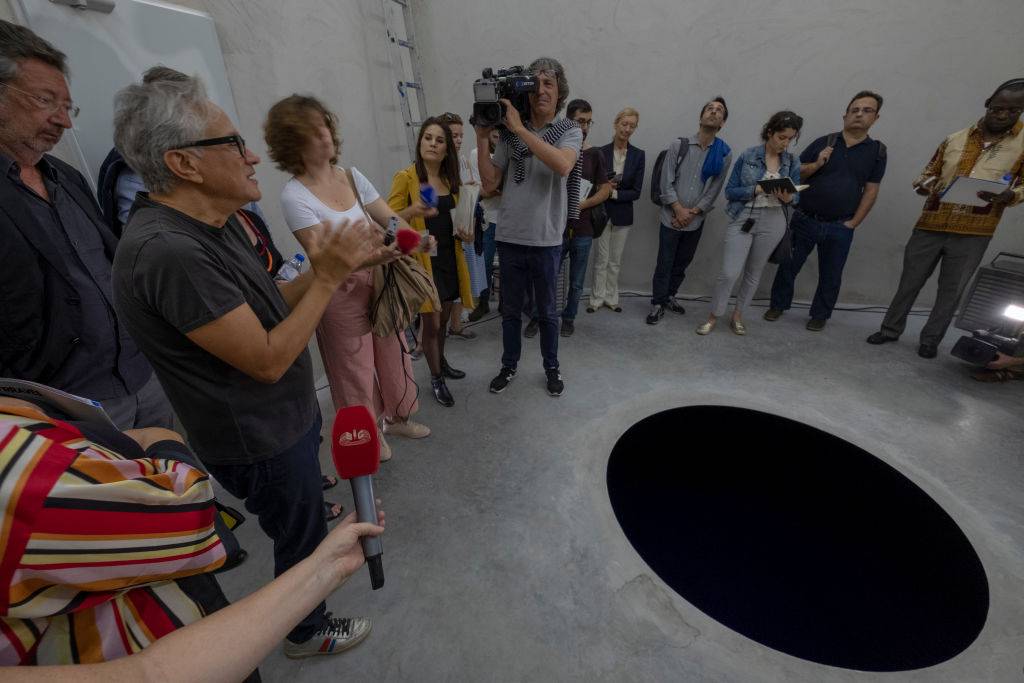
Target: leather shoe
x=880, y=338
x=450, y=372
x=927, y=350
x=441, y=393
x=815, y=325
x=773, y=314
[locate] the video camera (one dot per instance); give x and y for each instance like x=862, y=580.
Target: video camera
x=514, y=84
x=983, y=345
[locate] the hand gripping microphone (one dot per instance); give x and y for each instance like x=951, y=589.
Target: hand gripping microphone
x=355, y=448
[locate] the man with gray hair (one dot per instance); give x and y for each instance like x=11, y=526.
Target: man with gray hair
x=58, y=325
x=539, y=160
x=228, y=343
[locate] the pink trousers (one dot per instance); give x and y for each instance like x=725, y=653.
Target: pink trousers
x=363, y=369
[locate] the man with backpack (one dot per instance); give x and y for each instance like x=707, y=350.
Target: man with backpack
x=688, y=177
x=844, y=171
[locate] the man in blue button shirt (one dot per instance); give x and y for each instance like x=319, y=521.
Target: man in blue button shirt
x=844, y=171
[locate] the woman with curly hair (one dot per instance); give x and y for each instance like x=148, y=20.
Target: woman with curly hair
x=362, y=369
x=758, y=219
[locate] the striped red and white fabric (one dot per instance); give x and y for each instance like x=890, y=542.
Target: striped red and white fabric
x=95, y=546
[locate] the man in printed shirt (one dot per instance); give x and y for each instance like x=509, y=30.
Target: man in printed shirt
x=957, y=235
x=107, y=539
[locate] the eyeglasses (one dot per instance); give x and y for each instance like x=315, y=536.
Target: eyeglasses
x=237, y=140
x=1012, y=111
x=47, y=103
x=862, y=110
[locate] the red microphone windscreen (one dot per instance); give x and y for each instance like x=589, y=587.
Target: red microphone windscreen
x=355, y=446
x=408, y=240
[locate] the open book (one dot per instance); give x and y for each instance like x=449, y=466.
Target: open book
x=786, y=184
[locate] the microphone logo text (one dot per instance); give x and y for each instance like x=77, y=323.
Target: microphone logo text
x=356, y=437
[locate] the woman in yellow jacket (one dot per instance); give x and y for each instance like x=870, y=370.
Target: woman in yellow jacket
x=437, y=165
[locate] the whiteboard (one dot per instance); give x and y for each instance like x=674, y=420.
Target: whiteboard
x=109, y=51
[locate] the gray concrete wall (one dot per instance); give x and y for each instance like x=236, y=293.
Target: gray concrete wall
x=935, y=62
x=334, y=50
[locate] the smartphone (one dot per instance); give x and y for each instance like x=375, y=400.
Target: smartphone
x=391, y=232
x=611, y=175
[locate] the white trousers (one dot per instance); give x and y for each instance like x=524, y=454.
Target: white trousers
x=606, y=266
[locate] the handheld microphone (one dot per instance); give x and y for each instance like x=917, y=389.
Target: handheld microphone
x=408, y=240
x=355, y=448
x=429, y=195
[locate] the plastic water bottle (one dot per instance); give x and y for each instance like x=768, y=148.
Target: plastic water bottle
x=291, y=269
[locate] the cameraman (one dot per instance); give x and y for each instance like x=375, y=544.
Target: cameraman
x=542, y=155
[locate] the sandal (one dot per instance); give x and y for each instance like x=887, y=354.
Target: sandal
x=462, y=334
x=329, y=513
x=328, y=481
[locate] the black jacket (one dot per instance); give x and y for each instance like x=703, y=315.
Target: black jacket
x=620, y=211
x=40, y=315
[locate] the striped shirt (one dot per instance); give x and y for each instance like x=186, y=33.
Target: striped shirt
x=96, y=546
x=964, y=154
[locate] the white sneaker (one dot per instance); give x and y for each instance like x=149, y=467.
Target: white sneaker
x=334, y=637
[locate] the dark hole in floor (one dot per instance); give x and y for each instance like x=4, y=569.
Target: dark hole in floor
x=797, y=539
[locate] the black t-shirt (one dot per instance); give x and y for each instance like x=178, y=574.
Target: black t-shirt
x=593, y=171
x=174, y=274
x=835, y=190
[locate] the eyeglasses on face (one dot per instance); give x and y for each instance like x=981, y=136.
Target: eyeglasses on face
x=45, y=103
x=237, y=140
x=862, y=110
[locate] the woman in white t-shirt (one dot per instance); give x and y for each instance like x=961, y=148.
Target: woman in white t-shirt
x=362, y=369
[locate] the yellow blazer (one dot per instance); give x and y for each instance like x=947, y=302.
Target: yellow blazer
x=404, y=186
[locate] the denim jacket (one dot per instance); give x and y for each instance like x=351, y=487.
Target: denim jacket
x=750, y=168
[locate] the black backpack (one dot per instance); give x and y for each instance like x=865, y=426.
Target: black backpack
x=684, y=147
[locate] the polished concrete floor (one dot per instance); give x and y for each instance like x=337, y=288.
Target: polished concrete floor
x=504, y=561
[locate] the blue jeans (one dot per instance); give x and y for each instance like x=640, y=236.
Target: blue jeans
x=833, y=241
x=490, y=247
x=285, y=493
x=523, y=268
x=577, y=250
x=675, y=251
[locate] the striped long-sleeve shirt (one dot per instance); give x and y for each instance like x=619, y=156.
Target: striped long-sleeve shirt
x=96, y=547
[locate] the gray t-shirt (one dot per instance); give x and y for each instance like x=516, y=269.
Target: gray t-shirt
x=173, y=274
x=533, y=212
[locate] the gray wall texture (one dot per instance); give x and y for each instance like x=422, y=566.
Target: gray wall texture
x=934, y=61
